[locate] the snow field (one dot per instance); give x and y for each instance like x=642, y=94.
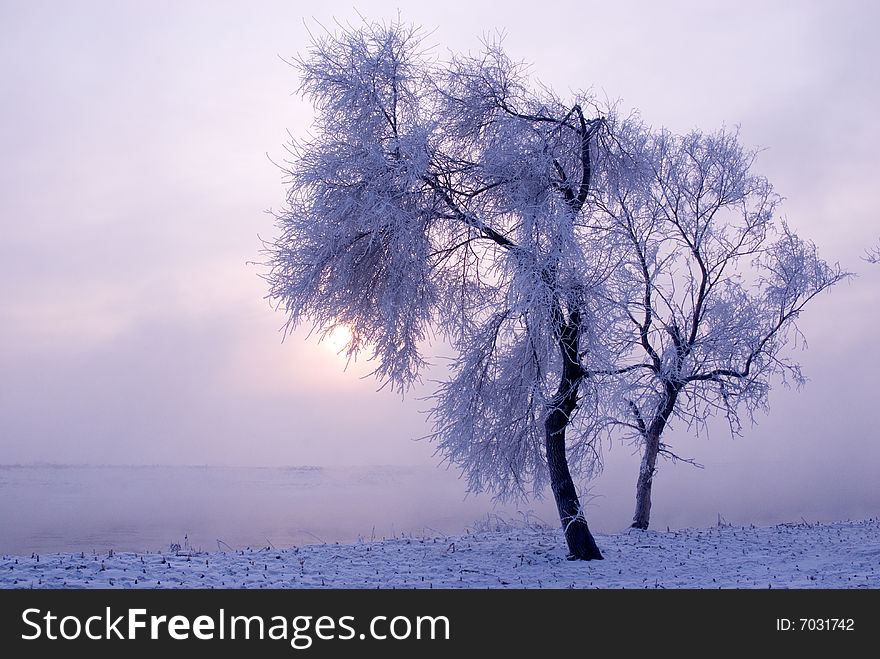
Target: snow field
x=836, y=555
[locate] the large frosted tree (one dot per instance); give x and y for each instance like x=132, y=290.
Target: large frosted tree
x=453, y=199
x=709, y=289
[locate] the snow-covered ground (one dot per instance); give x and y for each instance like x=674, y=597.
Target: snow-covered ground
x=837, y=555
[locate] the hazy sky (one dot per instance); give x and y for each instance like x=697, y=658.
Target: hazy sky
x=135, y=176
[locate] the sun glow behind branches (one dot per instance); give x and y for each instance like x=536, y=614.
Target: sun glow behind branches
x=337, y=340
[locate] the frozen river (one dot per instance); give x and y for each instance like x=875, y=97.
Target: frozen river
x=84, y=508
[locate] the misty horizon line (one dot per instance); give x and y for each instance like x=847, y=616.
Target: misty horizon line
x=164, y=465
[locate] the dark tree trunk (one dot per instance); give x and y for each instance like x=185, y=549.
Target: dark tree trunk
x=651, y=438
x=581, y=545
x=642, y=516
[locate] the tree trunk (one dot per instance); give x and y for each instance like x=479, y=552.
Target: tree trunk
x=642, y=516
x=581, y=545
x=651, y=435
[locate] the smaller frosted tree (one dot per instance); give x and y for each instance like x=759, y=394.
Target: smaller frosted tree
x=710, y=288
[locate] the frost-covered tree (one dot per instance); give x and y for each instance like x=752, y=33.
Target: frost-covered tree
x=453, y=199
x=711, y=286
x=873, y=255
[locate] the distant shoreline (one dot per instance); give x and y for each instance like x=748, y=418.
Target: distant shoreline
x=71, y=465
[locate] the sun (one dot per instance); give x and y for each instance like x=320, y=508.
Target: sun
x=337, y=340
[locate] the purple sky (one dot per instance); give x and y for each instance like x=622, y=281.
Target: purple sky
x=135, y=177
